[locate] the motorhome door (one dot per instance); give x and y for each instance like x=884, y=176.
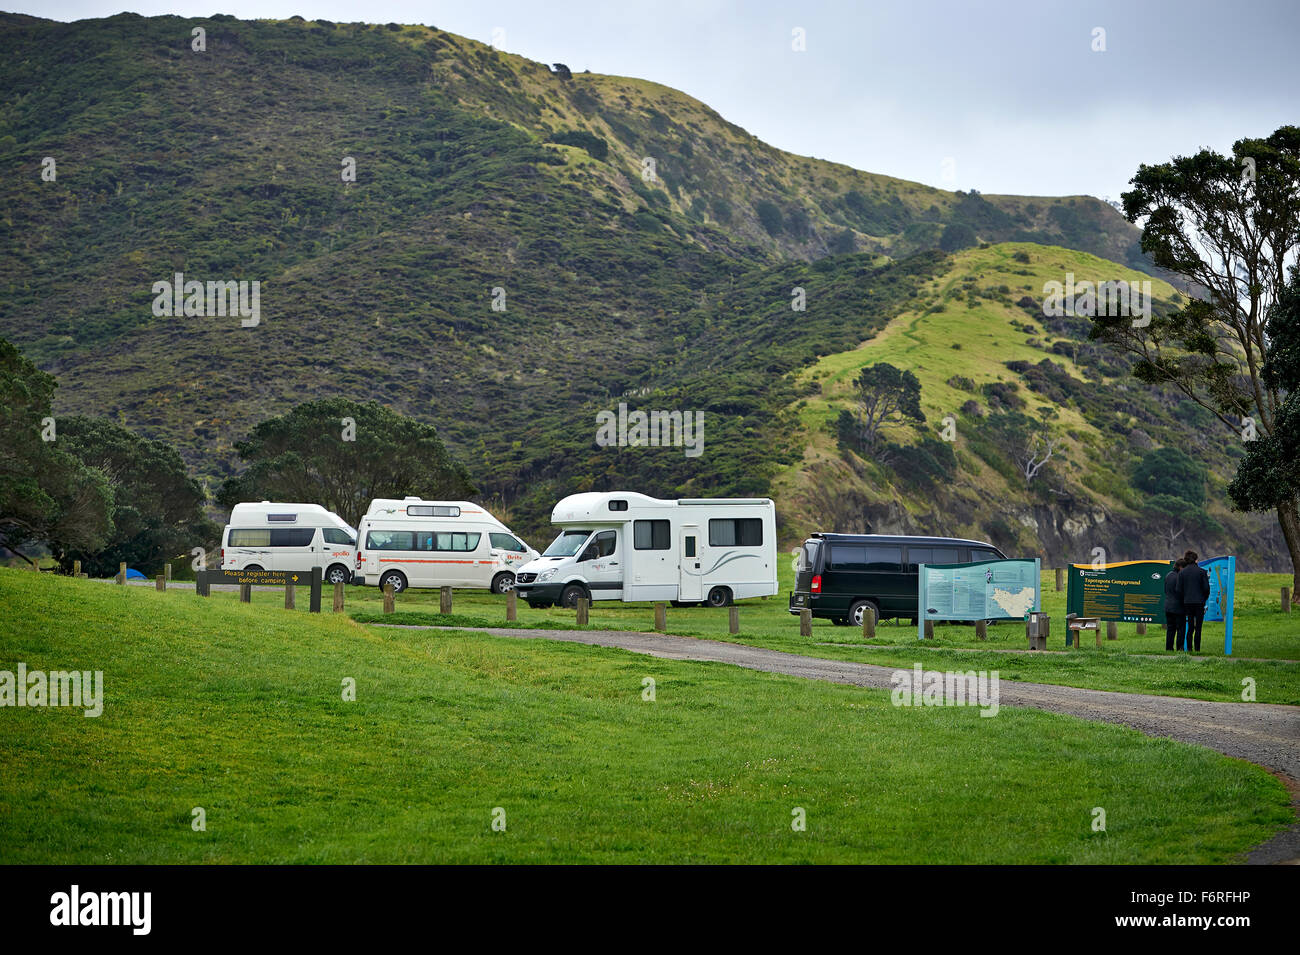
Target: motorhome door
x=691, y=585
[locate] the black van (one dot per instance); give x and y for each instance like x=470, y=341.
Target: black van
x=843, y=576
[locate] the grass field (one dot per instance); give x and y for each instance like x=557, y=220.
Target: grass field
x=238, y=710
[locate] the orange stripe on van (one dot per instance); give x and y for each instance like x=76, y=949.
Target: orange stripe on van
x=413, y=560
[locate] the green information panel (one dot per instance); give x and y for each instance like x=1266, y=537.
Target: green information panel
x=984, y=590
x=1133, y=591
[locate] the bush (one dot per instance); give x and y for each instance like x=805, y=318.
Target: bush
x=770, y=216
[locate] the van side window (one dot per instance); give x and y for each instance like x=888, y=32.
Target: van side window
x=931, y=555
x=455, y=541
x=884, y=557
x=618, y=505
x=650, y=535
x=249, y=537
x=982, y=553
x=390, y=540
x=851, y=557
x=505, y=542
x=736, y=532
x=432, y=510
x=605, y=543
x=292, y=536
x=334, y=535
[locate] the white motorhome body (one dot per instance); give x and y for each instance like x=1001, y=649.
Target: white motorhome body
x=273, y=536
x=628, y=546
x=418, y=543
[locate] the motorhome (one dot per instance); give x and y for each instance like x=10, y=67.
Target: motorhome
x=626, y=546
x=843, y=577
x=418, y=543
x=273, y=536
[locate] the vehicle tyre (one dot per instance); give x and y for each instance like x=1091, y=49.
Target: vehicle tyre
x=860, y=609
x=394, y=577
x=569, y=596
x=337, y=574
x=840, y=621
x=503, y=583
x=254, y=567
x=540, y=606
x=719, y=597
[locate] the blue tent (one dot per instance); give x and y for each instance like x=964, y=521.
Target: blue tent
x=135, y=575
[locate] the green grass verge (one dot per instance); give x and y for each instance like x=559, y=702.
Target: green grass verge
x=238, y=709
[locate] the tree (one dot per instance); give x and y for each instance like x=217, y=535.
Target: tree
x=342, y=454
x=843, y=243
x=562, y=71
x=44, y=490
x=1028, y=443
x=1172, y=516
x=1231, y=226
x=886, y=395
x=956, y=236
x=157, y=508
x=1171, y=471
x=769, y=213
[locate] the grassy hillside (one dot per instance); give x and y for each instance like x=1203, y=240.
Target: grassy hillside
x=237, y=709
x=477, y=170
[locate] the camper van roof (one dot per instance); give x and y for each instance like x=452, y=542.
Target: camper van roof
x=594, y=505
x=261, y=510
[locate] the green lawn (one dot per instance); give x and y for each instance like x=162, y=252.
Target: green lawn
x=237, y=709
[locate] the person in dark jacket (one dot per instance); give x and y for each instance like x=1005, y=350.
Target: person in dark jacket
x=1174, y=626
x=1194, y=582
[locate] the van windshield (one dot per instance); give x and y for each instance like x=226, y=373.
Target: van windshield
x=567, y=544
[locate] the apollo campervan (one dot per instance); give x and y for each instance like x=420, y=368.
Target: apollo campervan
x=416, y=543
x=627, y=546
x=274, y=536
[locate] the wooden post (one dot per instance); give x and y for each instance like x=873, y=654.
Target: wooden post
x=168, y=570
x=583, y=604
x=288, y=597
x=512, y=607
x=868, y=625
x=1141, y=629
x=338, y=596
x=981, y=630
x=1286, y=599
x=929, y=629
x=805, y=622
x=76, y=568
x=1112, y=630
x=160, y=582
x=317, y=578
x=1098, y=633
x=1060, y=579
x=444, y=600
x=201, y=588
x=390, y=602
x=121, y=573
x=661, y=616
x=733, y=619
x=245, y=593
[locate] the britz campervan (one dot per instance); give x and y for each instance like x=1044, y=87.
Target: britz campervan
x=626, y=546
x=843, y=577
x=275, y=536
x=417, y=543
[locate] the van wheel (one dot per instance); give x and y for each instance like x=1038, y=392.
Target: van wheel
x=719, y=597
x=860, y=609
x=337, y=574
x=569, y=596
x=503, y=583
x=253, y=567
x=394, y=577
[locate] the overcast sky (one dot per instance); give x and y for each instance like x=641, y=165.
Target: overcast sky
x=1011, y=93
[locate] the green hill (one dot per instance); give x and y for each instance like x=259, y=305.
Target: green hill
x=478, y=170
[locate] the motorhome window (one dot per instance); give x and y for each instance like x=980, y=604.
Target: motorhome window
x=884, y=557
x=567, y=544
x=281, y=518
x=240, y=537
x=453, y=541
x=931, y=555
x=292, y=536
x=736, y=532
x=618, y=505
x=605, y=543
x=432, y=510
x=335, y=536
x=390, y=540
x=650, y=535
x=690, y=545
x=505, y=542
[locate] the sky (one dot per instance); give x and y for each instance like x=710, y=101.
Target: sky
x=1040, y=97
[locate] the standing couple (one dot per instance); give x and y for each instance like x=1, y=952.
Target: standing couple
x=1187, y=588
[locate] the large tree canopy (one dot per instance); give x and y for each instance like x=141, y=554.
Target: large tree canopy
x=341, y=454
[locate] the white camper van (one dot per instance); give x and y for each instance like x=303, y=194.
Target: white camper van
x=627, y=546
x=416, y=543
x=274, y=536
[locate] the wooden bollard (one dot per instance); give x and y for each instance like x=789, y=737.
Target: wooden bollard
x=981, y=630
x=1060, y=579
x=733, y=619
x=444, y=600
x=512, y=607
x=167, y=569
x=1141, y=629
x=245, y=593
x=1286, y=599
x=661, y=617
x=121, y=574
x=76, y=568
x=929, y=629
x=868, y=625
x=583, y=605
x=390, y=599
x=160, y=582
x=1112, y=630
x=338, y=596
x=288, y=596
x=805, y=623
